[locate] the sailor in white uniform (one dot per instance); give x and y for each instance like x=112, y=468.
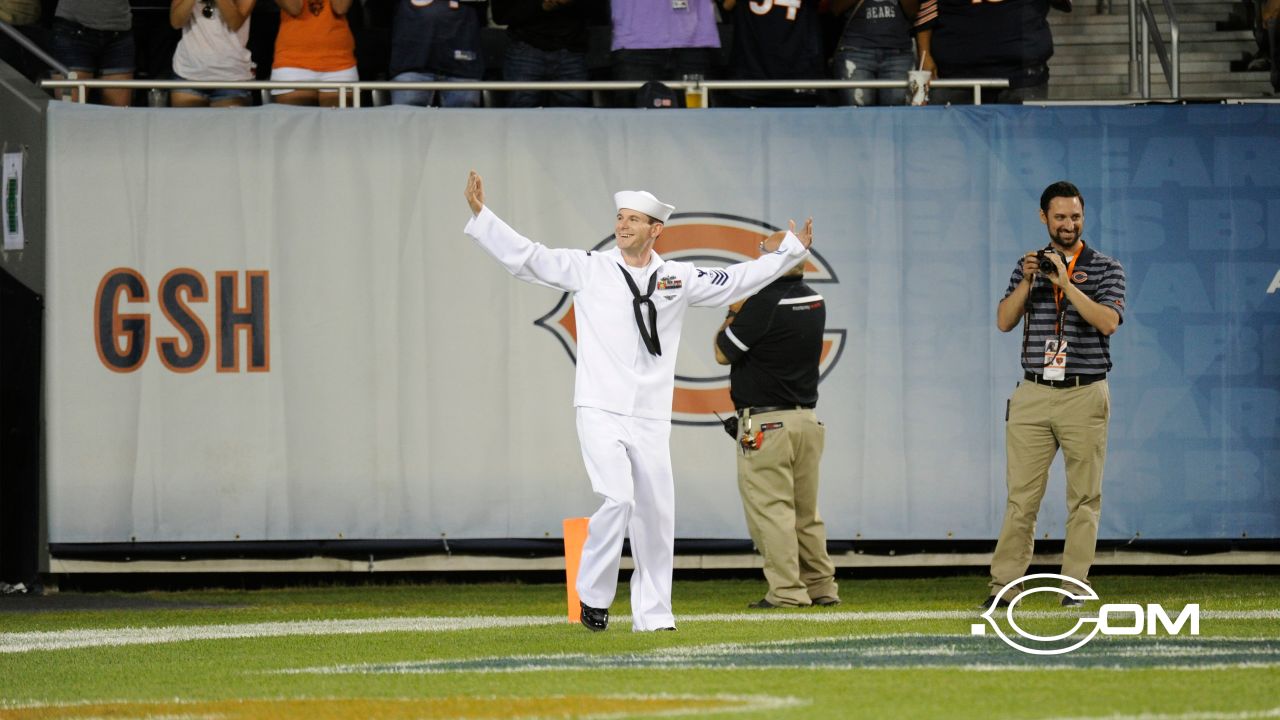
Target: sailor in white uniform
x=629, y=306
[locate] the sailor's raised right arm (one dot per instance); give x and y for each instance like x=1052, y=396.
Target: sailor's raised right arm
x=559, y=268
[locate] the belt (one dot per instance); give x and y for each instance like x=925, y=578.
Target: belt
x=773, y=408
x=1070, y=381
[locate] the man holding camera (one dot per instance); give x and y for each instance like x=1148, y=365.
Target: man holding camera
x=1072, y=297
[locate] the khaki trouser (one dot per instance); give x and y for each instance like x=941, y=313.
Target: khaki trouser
x=1042, y=419
x=779, y=487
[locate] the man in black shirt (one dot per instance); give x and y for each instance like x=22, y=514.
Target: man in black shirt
x=437, y=41
x=547, y=42
x=774, y=342
x=774, y=41
x=961, y=39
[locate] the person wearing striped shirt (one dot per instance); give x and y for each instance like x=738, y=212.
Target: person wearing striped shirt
x=1069, y=299
x=773, y=340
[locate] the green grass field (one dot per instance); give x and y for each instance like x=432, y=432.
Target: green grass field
x=895, y=649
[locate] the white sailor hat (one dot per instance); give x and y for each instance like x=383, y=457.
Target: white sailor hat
x=644, y=202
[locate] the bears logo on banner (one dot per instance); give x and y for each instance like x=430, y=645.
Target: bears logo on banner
x=706, y=239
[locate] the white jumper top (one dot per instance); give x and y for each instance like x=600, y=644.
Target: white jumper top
x=615, y=371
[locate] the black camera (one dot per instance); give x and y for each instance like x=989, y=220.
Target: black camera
x=1046, y=265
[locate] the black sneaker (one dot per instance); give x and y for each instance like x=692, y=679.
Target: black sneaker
x=1068, y=601
x=666, y=629
x=986, y=604
x=762, y=604
x=594, y=619
x=826, y=601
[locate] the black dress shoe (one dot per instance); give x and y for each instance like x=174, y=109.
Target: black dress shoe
x=986, y=604
x=594, y=619
x=826, y=601
x=762, y=604
x=1068, y=601
x=669, y=629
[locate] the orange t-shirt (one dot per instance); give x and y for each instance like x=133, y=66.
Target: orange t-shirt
x=315, y=40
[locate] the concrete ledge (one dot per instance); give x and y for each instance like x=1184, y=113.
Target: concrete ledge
x=494, y=563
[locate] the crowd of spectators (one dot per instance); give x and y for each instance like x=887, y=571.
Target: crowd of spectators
x=541, y=40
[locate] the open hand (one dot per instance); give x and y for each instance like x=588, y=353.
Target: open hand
x=475, y=192
x=805, y=234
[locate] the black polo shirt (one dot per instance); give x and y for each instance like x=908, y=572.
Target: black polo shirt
x=775, y=344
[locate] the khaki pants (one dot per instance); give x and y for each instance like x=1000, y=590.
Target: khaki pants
x=1042, y=419
x=779, y=487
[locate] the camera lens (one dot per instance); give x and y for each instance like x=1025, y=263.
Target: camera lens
x=1046, y=265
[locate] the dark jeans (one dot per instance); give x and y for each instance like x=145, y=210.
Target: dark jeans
x=1027, y=84
x=427, y=98
x=526, y=63
x=668, y=64
x=86, y=50
x=854, y=63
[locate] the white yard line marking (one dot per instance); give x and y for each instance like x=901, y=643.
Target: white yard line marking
x=736, y=703
x=1211, y=715
x=907, y=615
x=67, y=639
x=829, y=653
x=895, y=667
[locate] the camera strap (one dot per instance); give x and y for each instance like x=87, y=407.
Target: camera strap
x=1058, y=293
x=1059, y=308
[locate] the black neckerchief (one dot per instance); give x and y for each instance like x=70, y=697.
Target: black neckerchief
x=650, y=337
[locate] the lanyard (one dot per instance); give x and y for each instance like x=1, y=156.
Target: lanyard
x=1058, y=293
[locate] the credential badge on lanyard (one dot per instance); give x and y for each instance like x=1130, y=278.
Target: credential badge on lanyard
x=1055, y=359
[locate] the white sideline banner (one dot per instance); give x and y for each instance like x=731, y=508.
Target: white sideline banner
x=267, y=324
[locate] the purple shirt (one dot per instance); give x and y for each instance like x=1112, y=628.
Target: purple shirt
x=656, y=25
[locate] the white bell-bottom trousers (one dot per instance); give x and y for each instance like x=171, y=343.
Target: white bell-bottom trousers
x=629, y=462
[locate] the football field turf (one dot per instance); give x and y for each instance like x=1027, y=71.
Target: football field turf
x=896, y=648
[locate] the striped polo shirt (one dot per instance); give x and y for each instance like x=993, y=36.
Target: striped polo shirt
x=1099, y=277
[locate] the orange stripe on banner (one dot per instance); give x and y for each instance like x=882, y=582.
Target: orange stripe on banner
x=575, y=536
x=702, y=402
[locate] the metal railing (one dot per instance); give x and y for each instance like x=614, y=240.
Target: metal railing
x=1144, y=32
x=26, y=44
x=349, y=92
